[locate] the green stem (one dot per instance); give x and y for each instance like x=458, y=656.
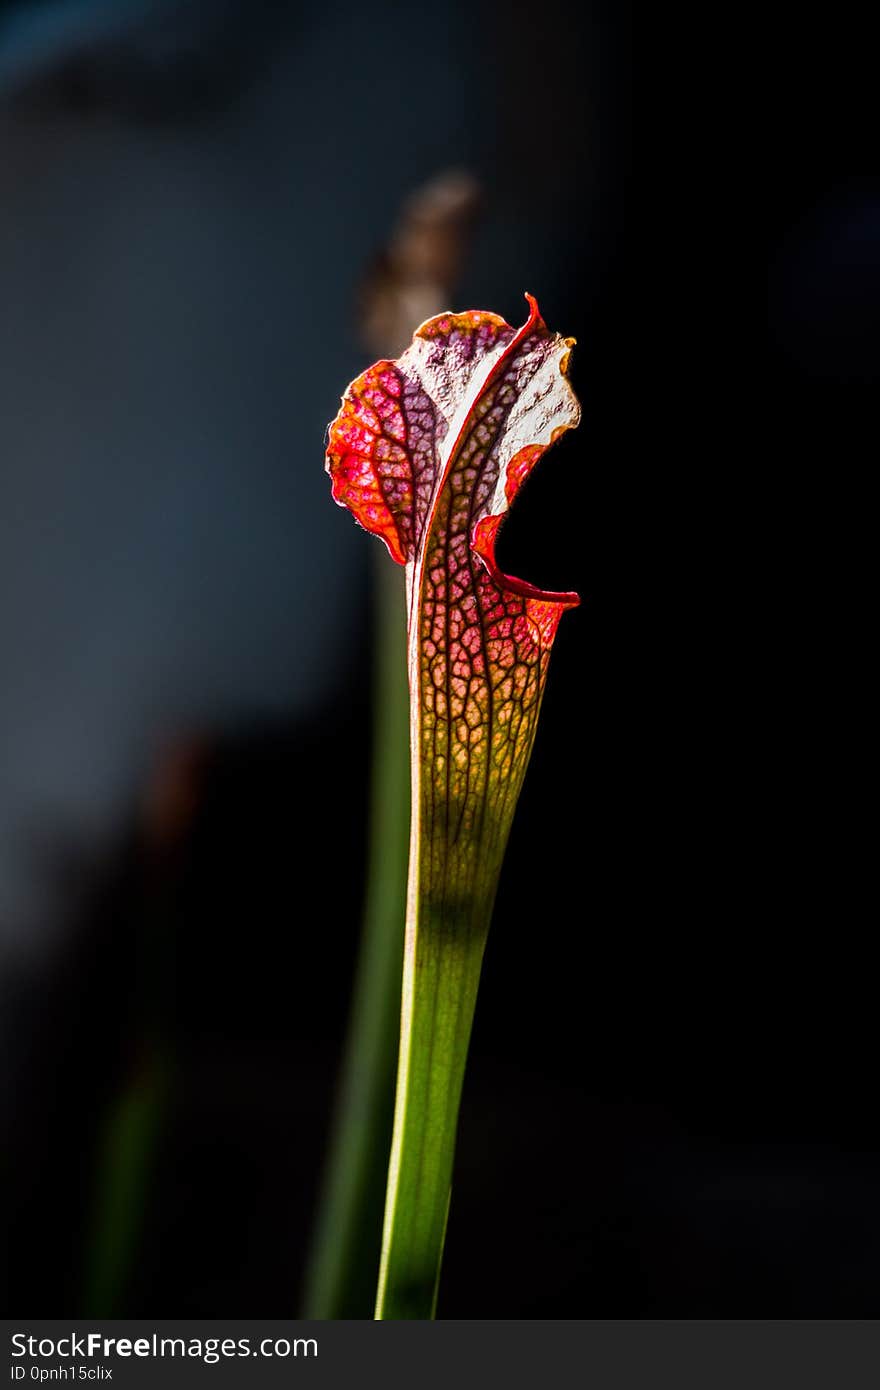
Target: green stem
x=136, y=1117
x=341, y=1277
x=124, y=1170
x=441, y=976
x=453, y=879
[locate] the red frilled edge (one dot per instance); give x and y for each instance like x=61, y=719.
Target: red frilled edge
x=391, y=450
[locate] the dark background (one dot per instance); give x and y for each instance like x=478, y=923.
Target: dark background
x=669, y=1108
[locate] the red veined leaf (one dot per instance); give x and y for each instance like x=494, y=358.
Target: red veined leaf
x=428, y=453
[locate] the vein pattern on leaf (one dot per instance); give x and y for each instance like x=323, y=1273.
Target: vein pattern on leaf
x=428, y=453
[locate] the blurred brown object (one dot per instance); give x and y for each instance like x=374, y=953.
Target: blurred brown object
x=414, y=276
x=174, y=792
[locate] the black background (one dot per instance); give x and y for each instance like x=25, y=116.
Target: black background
x=670, y=1107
